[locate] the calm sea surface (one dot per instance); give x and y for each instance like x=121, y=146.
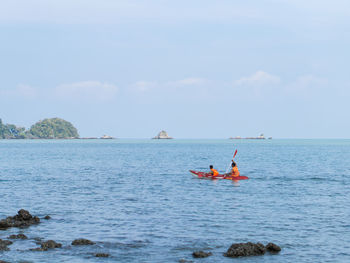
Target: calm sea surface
x=138, y=201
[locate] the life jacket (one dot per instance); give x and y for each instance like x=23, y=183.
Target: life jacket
x=215, y=172
x=235, y=172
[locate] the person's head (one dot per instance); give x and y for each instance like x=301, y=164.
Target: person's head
x=233, y=164
x=211, y=167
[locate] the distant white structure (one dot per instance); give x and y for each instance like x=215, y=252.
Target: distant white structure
x=106, y=137
x=260, y=137
x=162, y=135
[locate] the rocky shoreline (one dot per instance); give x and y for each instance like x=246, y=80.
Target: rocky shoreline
x=24, y=219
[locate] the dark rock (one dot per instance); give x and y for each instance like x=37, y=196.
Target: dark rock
x=4, y=224
x=4, y=244
x=82, y=242
x=245, y=249
x=273, y=248
x=23, y=215
x=47, y=217
x=102, y=255
x=22, y=219
x=1, y=261
x=185, y=261
x=201, y=254
x=4, y=248
x=37, y=249
x=19, y=236
x=50, y=244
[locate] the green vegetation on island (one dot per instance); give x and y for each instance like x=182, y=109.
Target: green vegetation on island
x=11, y=131
x=54, y=128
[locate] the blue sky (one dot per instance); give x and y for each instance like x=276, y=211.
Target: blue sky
x=205, y=69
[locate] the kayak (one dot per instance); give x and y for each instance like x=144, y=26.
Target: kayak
x=204, y=175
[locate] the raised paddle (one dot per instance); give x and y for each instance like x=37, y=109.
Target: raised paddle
x=231, y=160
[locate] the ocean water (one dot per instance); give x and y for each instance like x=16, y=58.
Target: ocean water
x=138, y=202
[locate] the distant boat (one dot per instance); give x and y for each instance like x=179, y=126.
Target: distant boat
x=260, y=137
x=106, y=137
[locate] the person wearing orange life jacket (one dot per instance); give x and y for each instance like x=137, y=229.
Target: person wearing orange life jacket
x=234, y=170
x=213, y=171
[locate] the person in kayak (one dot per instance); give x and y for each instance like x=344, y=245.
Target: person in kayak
x=234, y=170
x=213, y=171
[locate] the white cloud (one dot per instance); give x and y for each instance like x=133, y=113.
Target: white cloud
x=22, y=91
x=87, y=90
x=26, y=91
x=187, y=82
x=306, y=84
x=259, y=78
x=144, y=86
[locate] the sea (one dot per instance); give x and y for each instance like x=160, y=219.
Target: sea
x=138, y=201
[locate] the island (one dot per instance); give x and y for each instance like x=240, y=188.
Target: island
x=54, y=128
x=162, y=135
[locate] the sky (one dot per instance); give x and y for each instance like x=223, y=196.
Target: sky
x=195, y=68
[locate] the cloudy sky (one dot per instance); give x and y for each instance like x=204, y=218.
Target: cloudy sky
x=196, y=68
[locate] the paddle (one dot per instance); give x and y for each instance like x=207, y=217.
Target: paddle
x=231, y=161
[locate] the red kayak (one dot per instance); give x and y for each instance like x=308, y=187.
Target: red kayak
x=204, y=175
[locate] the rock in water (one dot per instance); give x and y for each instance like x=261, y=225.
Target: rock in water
x=273, y=248
x=245, y=249
x=102, y=255
x=22, y=219
x=4, y=244
x=82, y=242
x=50, y=244
x=162, y=135
x=19, y=236
x=201, y=254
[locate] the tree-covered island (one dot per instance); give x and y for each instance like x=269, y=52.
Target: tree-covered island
x=54, y=128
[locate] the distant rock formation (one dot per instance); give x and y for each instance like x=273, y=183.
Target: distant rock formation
x=162, y=135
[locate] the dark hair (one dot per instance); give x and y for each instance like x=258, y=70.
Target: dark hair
x=233, y=164
x=210, y=166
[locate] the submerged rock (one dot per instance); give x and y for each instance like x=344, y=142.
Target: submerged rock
x=50, y=244
x=4, y=244
x=22, y=219
x=47, y=217
x=273, y=248
x=201, y=254
x=245, y=249
x=102, y=255
x=19, y=236
x=82, y=242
